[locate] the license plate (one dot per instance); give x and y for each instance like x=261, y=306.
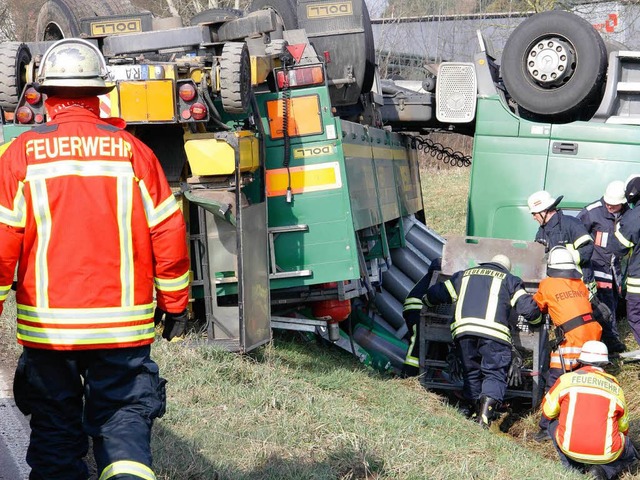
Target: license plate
x=129, y=72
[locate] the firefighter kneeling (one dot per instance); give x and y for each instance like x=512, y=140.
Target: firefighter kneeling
x=588, y=417
x=484, y=296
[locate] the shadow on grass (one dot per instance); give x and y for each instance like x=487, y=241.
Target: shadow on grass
x=313, y=354
x=176, y=459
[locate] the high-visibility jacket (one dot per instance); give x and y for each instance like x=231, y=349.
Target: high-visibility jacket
x=569, y=232
x=567, y=302
x=600, y=223
x=592, y=415
x=89, y=218
x=484, y=296
x=628, y=239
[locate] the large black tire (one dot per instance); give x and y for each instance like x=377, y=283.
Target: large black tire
x=554, y=64
x=59, y=19
x=370, y=51
x=235, y=77
x=287, y=10
x=215, y=15
x=14, y=59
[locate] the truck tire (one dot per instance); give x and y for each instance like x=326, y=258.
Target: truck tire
x=215, y=15
x=58, y=19
x=553, y=65
x=235, y=77
x=14, y=59
x=287, y=10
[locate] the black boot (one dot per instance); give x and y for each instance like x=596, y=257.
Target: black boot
x=487, y=410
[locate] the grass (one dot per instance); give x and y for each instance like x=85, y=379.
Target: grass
x=445, y=194
x=298, y=409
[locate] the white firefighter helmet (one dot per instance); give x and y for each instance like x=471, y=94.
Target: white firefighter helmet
x=502, y=260
x=594, y=353
x=614, y=193
x=541, y=201
x=73, y=67
x=560, y=258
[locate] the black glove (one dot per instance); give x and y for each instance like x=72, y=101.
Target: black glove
x=158, y=315
x=175, y=325
x=601, y=311
x=514, y=376
x=454, y=364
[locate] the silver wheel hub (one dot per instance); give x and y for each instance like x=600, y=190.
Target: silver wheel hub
x=550, y=62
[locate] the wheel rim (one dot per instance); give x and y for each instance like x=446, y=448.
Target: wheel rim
x=551, y=62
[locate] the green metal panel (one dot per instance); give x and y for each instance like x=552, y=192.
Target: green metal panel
x=328, y=248
x=361, y=176
x=407, y=174
x=386, y=181
x=604, y=152
x=10, y=131
x=512, y=158
x=505, y=170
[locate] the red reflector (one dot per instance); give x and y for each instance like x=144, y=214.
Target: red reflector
x=32, y=96
x=185, y=114
x=24, y=115
x=198, y=111
x=187, y=92
x=39, y=118
x=327, y=57
x=300, y=77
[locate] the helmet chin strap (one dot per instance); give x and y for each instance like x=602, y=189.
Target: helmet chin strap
x=545, y=217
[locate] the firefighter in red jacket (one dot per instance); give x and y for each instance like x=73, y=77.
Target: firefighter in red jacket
x=589, y=420
x=89, y=219
x=565, y=298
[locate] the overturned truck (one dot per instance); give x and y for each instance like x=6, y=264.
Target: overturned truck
x=304, y=213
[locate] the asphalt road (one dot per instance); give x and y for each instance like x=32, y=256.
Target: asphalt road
x=14, y=432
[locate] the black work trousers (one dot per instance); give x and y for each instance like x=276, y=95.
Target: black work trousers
x=111, y=395
x=485, y=364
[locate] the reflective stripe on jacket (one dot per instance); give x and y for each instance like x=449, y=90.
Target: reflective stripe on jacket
x=591, y=411
x=600, y=224
x=568, y=232
x=627, y=239
x=88, y=216
x=484, y=296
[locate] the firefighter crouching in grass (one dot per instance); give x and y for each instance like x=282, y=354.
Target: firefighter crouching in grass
x=484, y=296
x=588, y=417
x=565, y=297
x=89, y=218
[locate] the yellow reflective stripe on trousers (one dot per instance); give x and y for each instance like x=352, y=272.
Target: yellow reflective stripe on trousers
x=16, y=217
x=127, y=467
x=4, y=292
x=621, y=239
x=633, y=285
x=42, y=216
x=172, y=284
x=156, y=215
x=410, y=359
